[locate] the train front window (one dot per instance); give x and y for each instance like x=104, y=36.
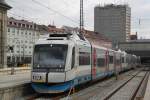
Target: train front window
x=50, y=56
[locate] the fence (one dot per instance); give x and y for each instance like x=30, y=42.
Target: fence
x=13, y=70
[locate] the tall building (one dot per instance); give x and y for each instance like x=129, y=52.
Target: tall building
x=3, y=37
x=114, y=21
x=21, y=36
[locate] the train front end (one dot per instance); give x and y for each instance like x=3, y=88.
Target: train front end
x=51, y=72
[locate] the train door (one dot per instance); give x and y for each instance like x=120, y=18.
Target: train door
x=115, y=62
x=84, y=63
x=111, y=61
x=107, y=60
x=118, y=62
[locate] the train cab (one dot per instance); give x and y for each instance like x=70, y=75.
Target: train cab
x=54, y=62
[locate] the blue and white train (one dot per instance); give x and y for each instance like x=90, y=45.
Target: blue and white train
x=62, y=61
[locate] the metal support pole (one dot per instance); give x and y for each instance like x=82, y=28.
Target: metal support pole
x=81, y=17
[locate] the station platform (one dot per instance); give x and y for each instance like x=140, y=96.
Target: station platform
x=14, y=80
x=14, y=87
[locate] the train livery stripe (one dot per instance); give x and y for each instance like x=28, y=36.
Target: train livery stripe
x=94, y=64
x=45, y=88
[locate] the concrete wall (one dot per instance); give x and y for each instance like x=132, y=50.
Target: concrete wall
x=19, y=92
x=141, y=49
x=135, y=46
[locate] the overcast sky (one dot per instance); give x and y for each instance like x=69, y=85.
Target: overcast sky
x=66, y=12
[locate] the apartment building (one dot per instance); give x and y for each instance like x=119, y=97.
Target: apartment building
x=21, y=36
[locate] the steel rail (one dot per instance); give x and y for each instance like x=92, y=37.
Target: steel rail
x=118, y=88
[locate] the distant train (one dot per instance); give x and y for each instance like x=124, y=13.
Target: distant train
x=62, y=61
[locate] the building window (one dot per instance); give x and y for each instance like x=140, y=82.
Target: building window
x=15, y=23
x=13, y=30
x=18, y=31
x=8, y=29
x=23, y=25
x=84, y=58
x=19, y=24
x=10, y=23
x=29, y=33
x=27, y=26
x=30, y=26
x=31, y=42
x=17, y=46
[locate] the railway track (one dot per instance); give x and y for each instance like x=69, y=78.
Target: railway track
x=46, y=96
x=104, y=90
x=129, y=89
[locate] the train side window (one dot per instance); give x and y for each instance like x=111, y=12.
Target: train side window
x=100, y=62
x=73, y=58
x=111, y=59
x=84, y=58
x=122, y=59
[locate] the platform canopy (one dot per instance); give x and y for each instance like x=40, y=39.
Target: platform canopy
x=140, y=48
x=4, y=5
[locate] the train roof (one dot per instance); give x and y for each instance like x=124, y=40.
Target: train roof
x=99, y=47
x=76, y=36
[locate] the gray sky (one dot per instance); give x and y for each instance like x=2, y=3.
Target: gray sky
x=32, y=11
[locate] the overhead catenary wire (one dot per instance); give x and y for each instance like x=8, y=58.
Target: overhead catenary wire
x=19, y=16
x=134, y=21
x=51, y=9
x=26, y=15
x=55, y=11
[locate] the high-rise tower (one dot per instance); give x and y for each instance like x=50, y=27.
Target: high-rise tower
x=114, y=21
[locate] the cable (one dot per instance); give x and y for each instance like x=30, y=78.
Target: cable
x=77, y=22
x=55, y=11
